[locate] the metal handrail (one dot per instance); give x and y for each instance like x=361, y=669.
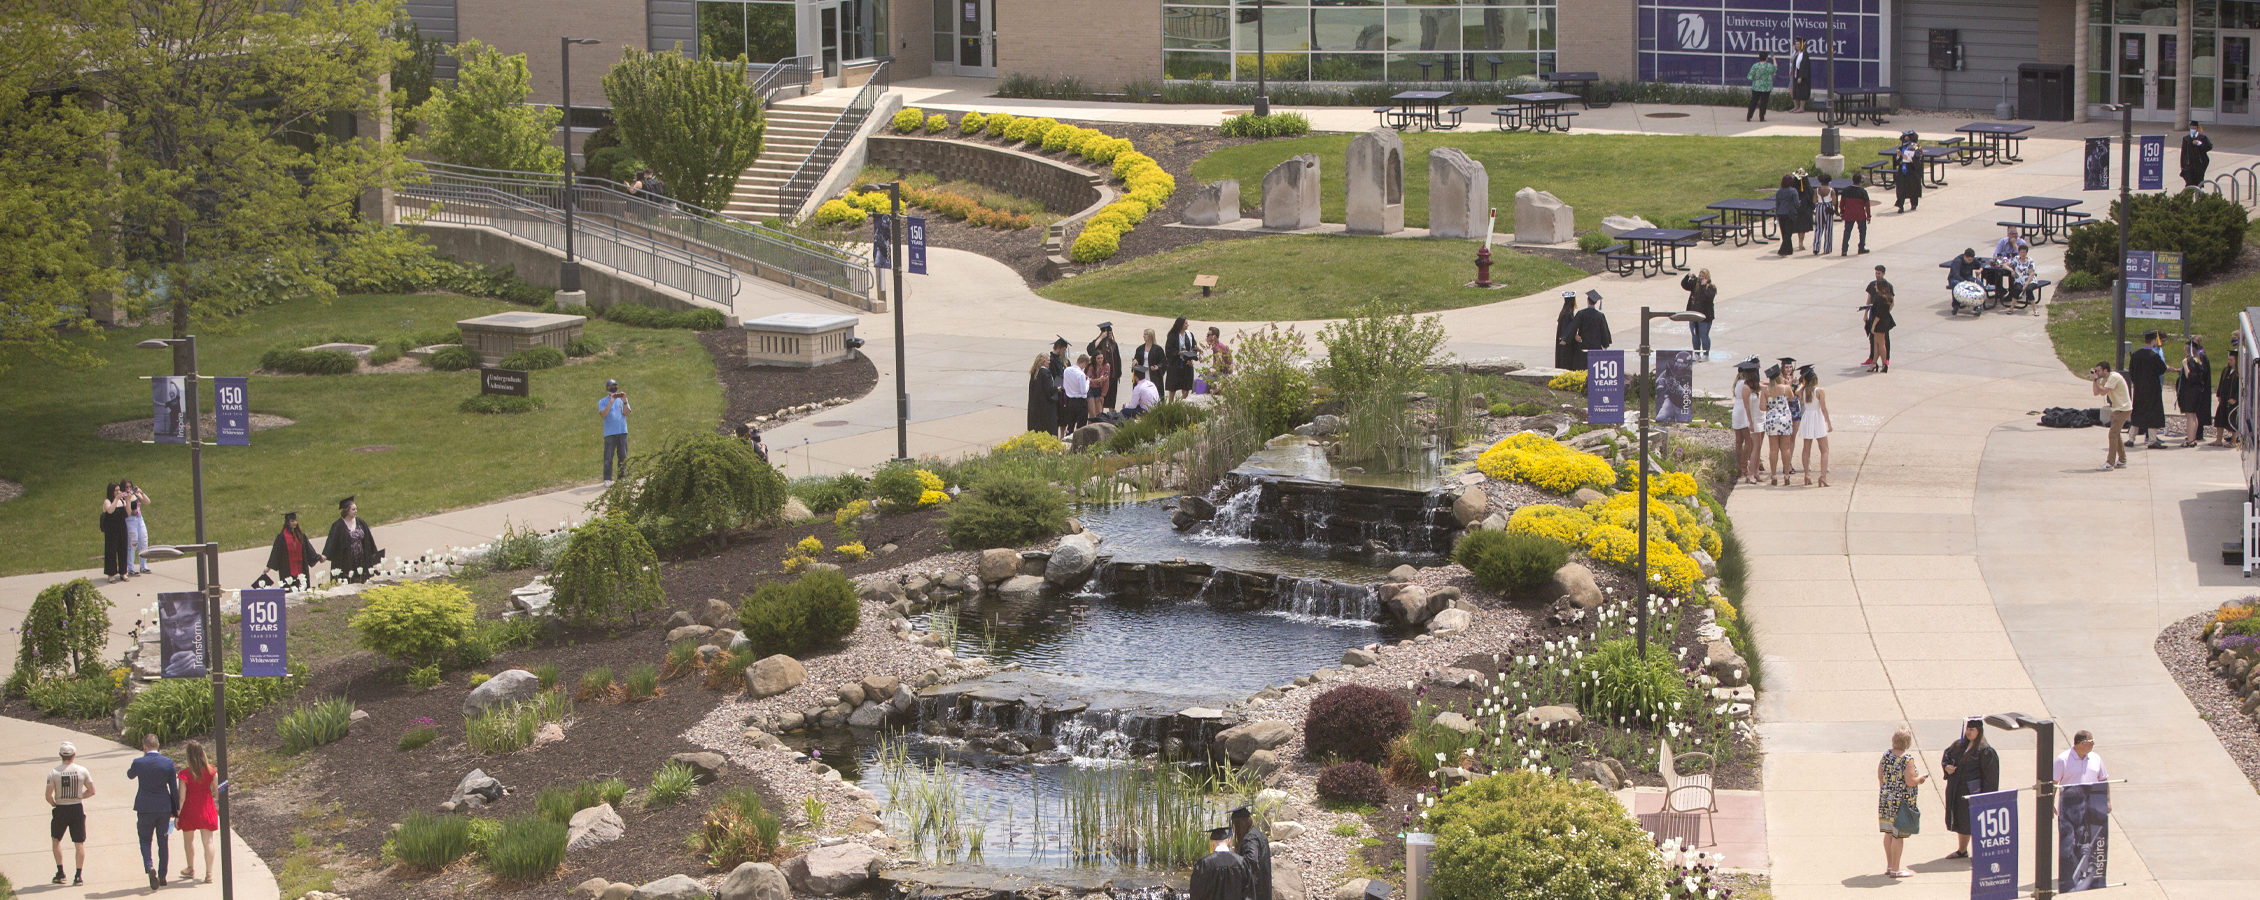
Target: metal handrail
x=772, y=75
x=512, y=208
x=794, y=192
x=746, y=247
x=2243, y=185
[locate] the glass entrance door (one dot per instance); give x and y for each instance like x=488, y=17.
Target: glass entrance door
x=976, y=37
x=2144, y=72
x=2236, y=80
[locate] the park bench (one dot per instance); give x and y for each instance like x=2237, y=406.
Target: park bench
x=1455, y=112
x=1618, y=260
x=1880, y=173
x=1719, y=231
x=1556, y=120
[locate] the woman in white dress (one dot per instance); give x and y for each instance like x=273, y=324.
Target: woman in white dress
x=1813, y=428
x=1746, y=437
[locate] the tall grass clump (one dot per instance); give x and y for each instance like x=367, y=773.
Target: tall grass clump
x=428, y=842
x=558, y=803
x=311, y=726
x=642, y=682
x=739, y=830
x=673, y=783
x=509, y=727
x=595, y=683
x=527, y=848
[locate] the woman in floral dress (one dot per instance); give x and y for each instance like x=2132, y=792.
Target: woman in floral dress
x=1896, y=780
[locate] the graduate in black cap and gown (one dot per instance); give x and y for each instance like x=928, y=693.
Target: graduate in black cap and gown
x=1108, y=355
x=1592, y=327
x=351, y=548
x=1043, y=391
x=1255, y=850
x=1221, y=875
x=291, y=558
x=1567, y=355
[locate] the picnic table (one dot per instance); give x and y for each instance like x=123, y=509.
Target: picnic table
x=1583, y=80
x=1848, y=105
x=1539, y=111
x=1934, y=159
x=1424, y=108
x=2045, y=217
x=1754, y=212
x=1667, y=245
x=1996, y=141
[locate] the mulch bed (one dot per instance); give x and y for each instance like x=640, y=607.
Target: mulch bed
x=2186, y=656
x=749, y=391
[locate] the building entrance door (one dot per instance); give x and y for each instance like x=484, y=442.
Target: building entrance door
x=2143, y=72
x=975, y=41
x=2236, y=82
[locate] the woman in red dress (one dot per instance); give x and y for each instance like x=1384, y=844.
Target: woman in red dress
x=198, y=812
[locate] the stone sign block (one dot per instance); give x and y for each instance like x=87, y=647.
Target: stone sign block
x=1215, y=203
x=1290, y=194
x=499, y=335
x=1375, y=196
x=799, y=340
x=1542, y=218
x=1459, y=195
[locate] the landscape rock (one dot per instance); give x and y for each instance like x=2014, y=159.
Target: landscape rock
x=476, y=789
x=852, y=694
x=1542, y=218
x=1214, y=203
x=1456, y=722
x=1616, y=225
x=1471, y=506
x=592, y=826
x=1287, y=831
x=705, y=764
x=773, y=675
x=1403, y=573
x=1374, y=186
x=1457, y=678
x=755, y=881
x=998, y=564
x=589, y=890
x=1410, y=605
x=1242, y=741
x=869, y=715
x=1092, y=435
x=1494, y=522
x=619, y=890
x=507, y=686
x=880, y=590
x=1710, y=566
x=1459, y=197
x=836, y=869
x=680, y=619
x=1286, y=880
x=1020, y=587
x=1072, y=560
x=1291, y=194
x=1598, y=772
x=672, y=887
x=688, y=633
x=1557, y=722
x=550, y=733
x=1449, y=621
x=1262, y=764
x=1032, y=562
x=717, y=614
x=1726, y=665
x=1575, y=581
x=1358, y=658
x=1353, y=889
x=1588, y=495
x=794, y=510
x=880, y=687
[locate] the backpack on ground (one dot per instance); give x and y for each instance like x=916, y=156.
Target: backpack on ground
x=2066, y=417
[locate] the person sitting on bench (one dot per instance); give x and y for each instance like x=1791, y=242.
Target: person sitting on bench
x=1965, y=268
x=2004, y=250
x=1143, y=394
x=2024, y=280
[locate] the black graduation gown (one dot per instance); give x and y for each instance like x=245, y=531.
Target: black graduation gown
x=1043, y=410
x=1154, y=359
x=1908, y=182
x=2146, y=373
x=1801, y=76
x=1110, y=351
x=2197, y=153
x=278, y=558
x=1255, y=850
x=350, y=560
x=2193, y=392
x=1222, y=875
x=2224, y=415
x=1180, y=362
x=1976, y=771
x=1592, y=332
x=1567, y=355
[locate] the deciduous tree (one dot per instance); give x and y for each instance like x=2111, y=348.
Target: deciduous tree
x=481, y=118
x=698, y=123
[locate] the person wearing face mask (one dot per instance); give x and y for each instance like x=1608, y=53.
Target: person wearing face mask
x=2197, y=153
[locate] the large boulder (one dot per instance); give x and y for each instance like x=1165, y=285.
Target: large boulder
x=880, y=687
x=689, y=633
x=1214, y=203
x=1456, y=722
x=1020, y=587
x=477, y=789
x=508, y=686
x=1262, y=764
x=1616, y=225
x=717, y=614
x=1240, y=742
x=1374, y=183
x=1542, y=218
x=1409, y=605
x=672, y=887
x=1072, y=560
x=1291, y=194
x=705, y=764
x=1726, y=665
x=1575, y=581
x=880, y=590
x=1286, y=880
x=1359, y=658
x=1092, y=435
x=1555, y=722
x=998, y=564
x=836, y=869
x=1471, y=506
x=1459, y=197
x=773, y=675
x=870, y=715
x=1448, y=622
x=755, y=881
x=592, y=826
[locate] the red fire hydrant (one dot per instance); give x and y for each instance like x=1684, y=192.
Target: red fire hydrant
x=1483, y=268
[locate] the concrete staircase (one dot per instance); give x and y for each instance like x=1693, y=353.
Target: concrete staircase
x=793, y=134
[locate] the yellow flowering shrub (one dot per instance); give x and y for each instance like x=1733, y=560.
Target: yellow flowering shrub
x=1537, y=460
x=853, y=551
x=794, y=562
x=1032, y=441
x=809, y=546
x=1573, y=380
x=930, y=498
x=1670, y=571
x=846, y=515
x=929, y=480
x=1673, y=484
x=1612, y=545
x=1726, y=611
x=1546, y=520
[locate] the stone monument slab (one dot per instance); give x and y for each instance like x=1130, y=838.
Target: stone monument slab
x=1215, y=203
x=499, y=335
x=1375, y=196
x=1290, y=194
x=799, y=340
x=1542, y=218
x=1459, y=195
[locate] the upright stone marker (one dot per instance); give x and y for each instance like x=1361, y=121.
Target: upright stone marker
x=1542, y=218
x=1459, y=195
x=1290, y=194
x=1215, y=203
x=1376, y=196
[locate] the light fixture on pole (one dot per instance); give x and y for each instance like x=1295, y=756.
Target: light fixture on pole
x=207, y=583
x=1647, y=388
x=2044, y=759
x=1263, y=95
x=569, y=271
x=2126, y=221
x=895, y=236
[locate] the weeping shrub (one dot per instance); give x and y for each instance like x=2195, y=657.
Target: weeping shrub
x=697, y=486
x=64, y=632
x=607, y=570
x=1507, y=562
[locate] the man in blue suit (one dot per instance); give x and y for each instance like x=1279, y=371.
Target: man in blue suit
x=155, y=805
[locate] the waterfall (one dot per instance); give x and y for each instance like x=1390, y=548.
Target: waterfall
x=1236, y=516
x=1096, y=734
x=1320, y=598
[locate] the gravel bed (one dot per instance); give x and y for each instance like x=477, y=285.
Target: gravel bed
x=2184, y=654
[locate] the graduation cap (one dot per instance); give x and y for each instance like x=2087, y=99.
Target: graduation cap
x=1787, y=361
x=1220, y=834
x=1805, y=369
x=1106, y=326
x=342, y=504
x=1058, y=341
x=291, y=516
x=1243, y=813
x=1773, y=371
x=1376, y=889
x=1592, y=296
x=1569, y=295
x=1747, y=365
x=1141, y=370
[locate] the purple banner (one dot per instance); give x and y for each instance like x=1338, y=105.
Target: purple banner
x=2098, y=164
x=915, y=249
x=882, y=242
x=231, y=399
x=1675, y=386
x=1604, y=386
x=2083, y=827
x=1993, y=845
x=1710, y=42
x=2150, y=163
x=180, y=633
x=265, y=631
x=168, y=401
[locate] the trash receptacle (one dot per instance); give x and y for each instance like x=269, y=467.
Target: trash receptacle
x=2044, y=92
x=1417, y=849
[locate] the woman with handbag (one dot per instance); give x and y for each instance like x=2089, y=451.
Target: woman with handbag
x=1971, y=767
x=1897, y=816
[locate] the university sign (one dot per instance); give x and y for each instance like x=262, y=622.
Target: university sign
x=1716, y=41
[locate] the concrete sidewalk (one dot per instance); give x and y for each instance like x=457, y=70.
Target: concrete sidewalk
x=113, y=856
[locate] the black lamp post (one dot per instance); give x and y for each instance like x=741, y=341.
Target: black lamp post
x=1647, y=388
x=2126, y=220
x=1831, y=142
x=895, y=236
x=2044, y=808
x=207, y=583
x=568, y=272
x=1263, y=95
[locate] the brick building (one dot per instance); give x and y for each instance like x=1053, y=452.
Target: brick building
x=1956, y=54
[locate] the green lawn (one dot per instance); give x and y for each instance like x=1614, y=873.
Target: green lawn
x=2081, y=329
x=1290, y=277
x=443, y=459
x=1665, y=179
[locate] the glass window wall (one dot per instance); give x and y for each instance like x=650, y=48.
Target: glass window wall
x=762, y=31
x=1357, y=40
